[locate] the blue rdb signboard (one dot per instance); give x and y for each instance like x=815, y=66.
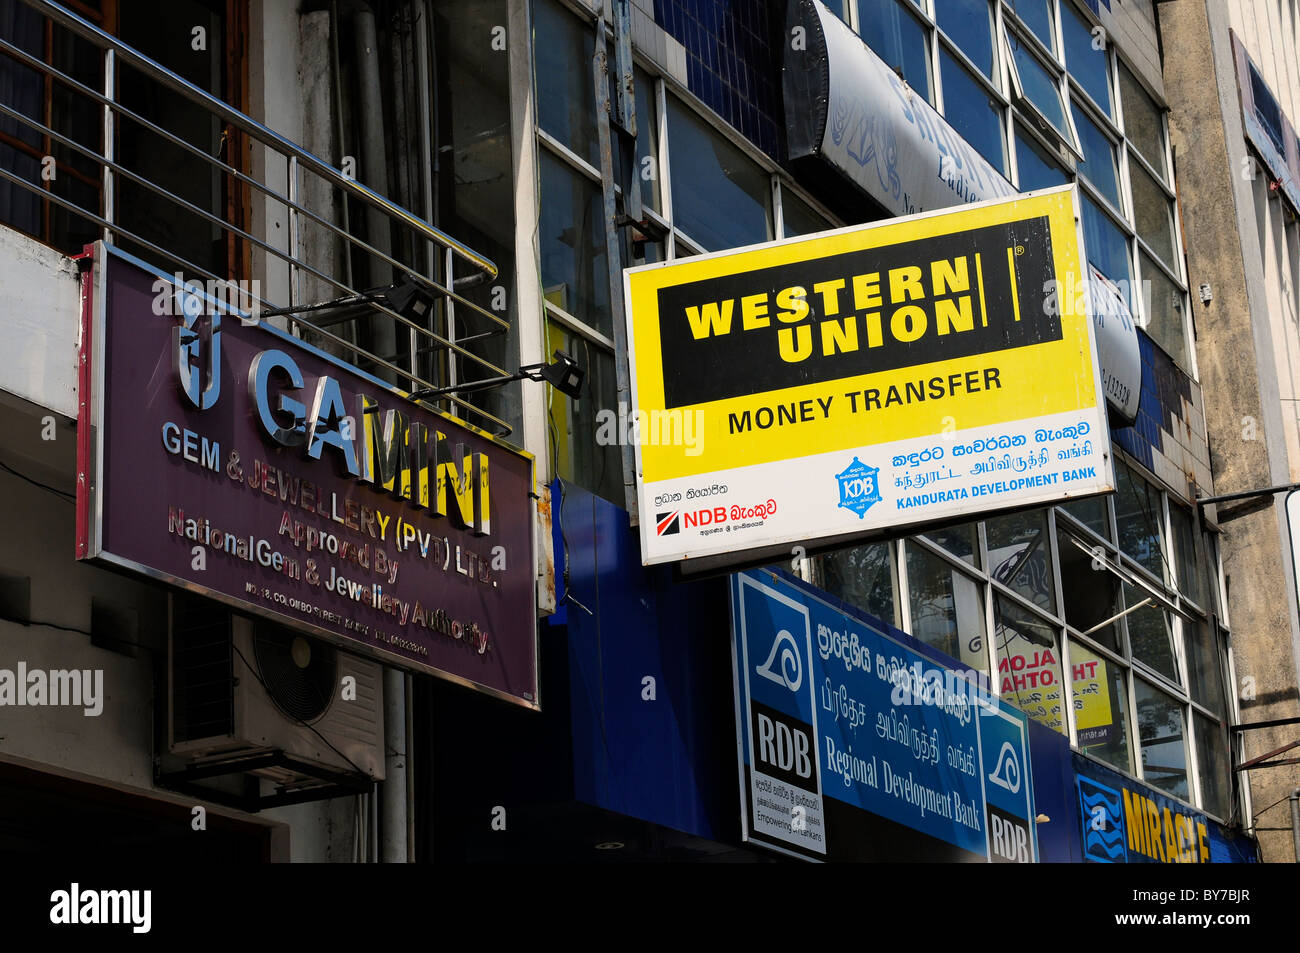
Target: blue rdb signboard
x=853, y=746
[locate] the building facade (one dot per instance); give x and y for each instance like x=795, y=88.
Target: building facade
x=327, y=149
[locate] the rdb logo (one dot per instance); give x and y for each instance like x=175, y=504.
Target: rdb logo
x=783, y=746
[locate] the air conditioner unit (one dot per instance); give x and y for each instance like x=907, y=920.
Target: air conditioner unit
x=249, y=692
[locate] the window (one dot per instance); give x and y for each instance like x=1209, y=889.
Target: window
x=1098, y=165
x=799, y=218
x=863, y=576
x=1037, y=15
x=947, y=607
x=1038, y=170
x=1041, y=88
x=973, y=111
x=720, y=195
x=572, y=232
x=899, y=39
x=1086, y=57
x=1163, y=736
x=1143, y=123
x=970, y=24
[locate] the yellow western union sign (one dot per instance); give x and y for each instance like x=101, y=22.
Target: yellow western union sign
x=847, y=383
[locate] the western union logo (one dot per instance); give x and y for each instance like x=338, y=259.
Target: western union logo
x=860, y=312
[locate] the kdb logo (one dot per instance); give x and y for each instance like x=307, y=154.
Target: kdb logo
x=790, y=673
x=1007, y=772
x=859, y=488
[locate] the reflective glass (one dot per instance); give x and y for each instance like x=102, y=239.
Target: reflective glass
x=581, y=457
x=1140, y=517
x=1151, y=634
x=1020, y=555
x=1142, y=121
x=1038, y=170
x=1089, y=65
x=574, y=272
x=1107, y=248
x=962, y=541
x=721, y=197
x=1100, y=706
x=1212, y=760
x=864, y=577
x=1040, y=86
x=1204, y=666
x=1091, y=513
x=1164, y=308
x=1090, y=592
x=1029, y=664
x=947, y=608
x=1037, y=15
x=1098, y=165
x=1163, y=737
x=969, y=24
x=1191, y=573
x=566, y=99
x=1153, y=214
x=799, y=217
x=898, y=38
x=973, y=111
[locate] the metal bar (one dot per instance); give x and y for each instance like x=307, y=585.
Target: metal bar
x=295, y=292
x=1260, y=761
x=1246, y=494
x=266, y=136
x=614, y=256
x=266, y=190
x=1252, y=725
x=110, y=135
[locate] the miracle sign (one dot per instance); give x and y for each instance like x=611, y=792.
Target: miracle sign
x=237, y=461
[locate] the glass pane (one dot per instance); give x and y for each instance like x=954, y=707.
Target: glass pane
x=1089, y=66
x=1163, y=738
x=1040, y=86
x=574, y=273
x=799, y=218
x=1191, y=574
x=898, y=39
x=1020, y=556
x=1212, y=759
x=947, y=608
x=1151, y=635
x=1153, y=214
x=1090, y=593
x=1098, y=165
x=1107, y=248
x=581, y=458
x=1037, y=15
x=969, y=24
x=647, y=141
x=837, y=7
x=1091, y=513
x=962, y=541
x=1100, y=706
x=1140, y=518
x=566, y=97
x=1204, y=666
x=1029, y=664
x=721, y=197
x=1038, y=170
x=1164, y=309
x=973, y=111
x=1142, y=121
x=864, y=577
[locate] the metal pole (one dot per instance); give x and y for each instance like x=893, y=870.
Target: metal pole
x=1295, y=822
x=110, y=135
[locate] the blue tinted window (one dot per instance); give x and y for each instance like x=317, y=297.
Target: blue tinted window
x=1107, y=248
x=720, y=195
x=1089, y=66
x=566, y=101
x=1098, y=164
x=898, y=39
x=969, y=24
x=1037, y=170
x=837, y=7
x=1039, y=86
x=972, y=111
x=1037, y=15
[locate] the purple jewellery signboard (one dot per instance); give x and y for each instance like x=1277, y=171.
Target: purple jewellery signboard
x=232, y=459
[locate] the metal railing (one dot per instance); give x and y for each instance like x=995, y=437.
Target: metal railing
x=453, y=322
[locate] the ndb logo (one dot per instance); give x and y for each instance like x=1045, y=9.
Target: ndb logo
x=859, y=488
x=667, y=524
